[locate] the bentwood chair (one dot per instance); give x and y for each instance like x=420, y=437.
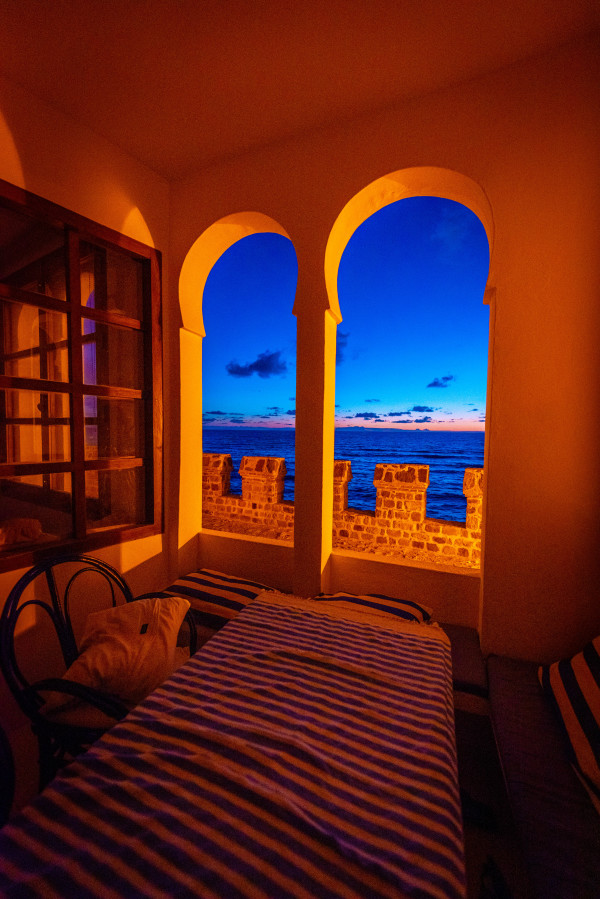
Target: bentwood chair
x=40, y=631
x=7, y=778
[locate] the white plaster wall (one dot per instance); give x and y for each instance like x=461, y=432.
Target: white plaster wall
x=529, y=136
x=54, y=157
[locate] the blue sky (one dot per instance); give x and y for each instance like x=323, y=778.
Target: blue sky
x=412, y=346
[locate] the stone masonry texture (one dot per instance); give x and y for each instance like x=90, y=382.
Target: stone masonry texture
x=398, y=526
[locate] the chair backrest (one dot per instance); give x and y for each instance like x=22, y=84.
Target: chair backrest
x=45, y=596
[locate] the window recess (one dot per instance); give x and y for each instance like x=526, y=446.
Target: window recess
x=80, y=382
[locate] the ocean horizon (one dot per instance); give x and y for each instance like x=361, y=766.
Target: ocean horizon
x=447, y=453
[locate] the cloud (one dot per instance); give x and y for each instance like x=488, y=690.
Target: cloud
x=266, y=365
x=441, y=382
x=370, y=416
x=422, y=421
x=215, y=412
x=410, y=411
x=291, y=412
x=208, y=421
x=372, y=401
x=341, y=344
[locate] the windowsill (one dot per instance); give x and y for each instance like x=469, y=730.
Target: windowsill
x=26, y=555
x=401, y=562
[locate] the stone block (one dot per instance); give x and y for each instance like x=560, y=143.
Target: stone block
x=473, y=482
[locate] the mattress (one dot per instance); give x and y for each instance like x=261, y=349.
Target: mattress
x=300, y=753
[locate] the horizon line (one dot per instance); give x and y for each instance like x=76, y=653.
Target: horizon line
x=257, y=427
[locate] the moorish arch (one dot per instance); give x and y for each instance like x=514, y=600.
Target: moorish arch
x=422, y=181
x=206, y=251
x=200, y=259
x=426, y=181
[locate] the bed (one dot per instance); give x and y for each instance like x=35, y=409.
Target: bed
x=307, y=750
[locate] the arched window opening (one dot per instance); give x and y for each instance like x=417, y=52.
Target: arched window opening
x=249, y=364
x=411, y=267
x=411, y=378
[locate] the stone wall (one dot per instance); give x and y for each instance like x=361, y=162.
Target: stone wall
x=260, y=509
x=398, y=526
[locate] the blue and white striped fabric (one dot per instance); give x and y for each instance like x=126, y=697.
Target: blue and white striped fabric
x=215, y=598
x=298, y=754
x=407, y=609
x=573, y=687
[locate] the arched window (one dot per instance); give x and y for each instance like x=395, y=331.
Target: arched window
x=410, y=259
x=249, y=353
x=240, y=278
x=411, y=379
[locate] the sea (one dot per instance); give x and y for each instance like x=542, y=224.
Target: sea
x=447, y=453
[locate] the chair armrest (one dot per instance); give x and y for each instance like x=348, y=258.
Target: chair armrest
x=104, y=702
x=190, y=620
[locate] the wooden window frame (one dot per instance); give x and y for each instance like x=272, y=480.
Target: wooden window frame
x=79, y=229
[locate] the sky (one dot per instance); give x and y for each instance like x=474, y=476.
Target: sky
x=411, y=348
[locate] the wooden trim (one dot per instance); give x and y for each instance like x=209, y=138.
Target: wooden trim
x=116, y=393
x=76, y=374
x=112, y=318
x=11, y=382
x=25, y=556
x=77, y=228
x=28, y=298
x=26, y=203
x=154, y=397
x=47, y=421
x=26, y=469
x=118, y=463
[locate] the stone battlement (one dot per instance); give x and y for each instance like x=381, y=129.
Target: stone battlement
x=398, y=526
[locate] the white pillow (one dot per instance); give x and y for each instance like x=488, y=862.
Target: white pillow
x=126, y=651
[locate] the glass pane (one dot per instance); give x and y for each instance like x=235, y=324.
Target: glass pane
x=111, y=355
x=111, y=281
x=113, y=427
x=34, y=426
x=115, y=498
x=33, y=342
x=32, y=255
x=36, y=509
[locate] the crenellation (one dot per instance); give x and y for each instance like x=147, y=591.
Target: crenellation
x=397, y=526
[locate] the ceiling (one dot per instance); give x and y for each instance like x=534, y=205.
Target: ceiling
x=180, y=84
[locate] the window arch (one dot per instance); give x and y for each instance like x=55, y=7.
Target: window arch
x=428, y=194
x=247, y=239
x=423, y=181
x=204, y=253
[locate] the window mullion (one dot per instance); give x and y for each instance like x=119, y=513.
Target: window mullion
x=76, y=377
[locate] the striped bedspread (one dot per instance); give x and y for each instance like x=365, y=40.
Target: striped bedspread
x=298, y=754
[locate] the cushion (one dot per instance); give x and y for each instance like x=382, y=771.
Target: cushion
x=126, y=651
x=573, y=686
x=556, y=822
x=215, y=598
x=398, y=608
